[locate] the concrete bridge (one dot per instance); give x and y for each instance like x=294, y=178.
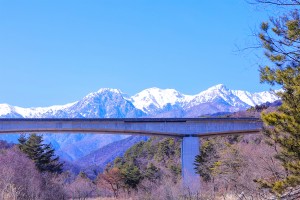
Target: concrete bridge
x=189, y=129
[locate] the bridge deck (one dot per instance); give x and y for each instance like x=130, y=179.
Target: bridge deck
x=175, y=127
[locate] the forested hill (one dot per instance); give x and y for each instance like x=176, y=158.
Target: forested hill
x=225, y=163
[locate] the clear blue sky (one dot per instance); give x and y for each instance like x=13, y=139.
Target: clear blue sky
x=55, y=52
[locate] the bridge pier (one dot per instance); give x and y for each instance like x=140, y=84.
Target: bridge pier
x=189, y=150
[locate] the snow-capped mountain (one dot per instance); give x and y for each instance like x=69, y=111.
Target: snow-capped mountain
x=105, y=103
x=255, y=98
x=112, y=103
x=219, y=98
x=218, y=93
x=152, y=102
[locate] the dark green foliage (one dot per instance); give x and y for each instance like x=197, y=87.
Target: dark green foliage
x=148, y=160
x=118, y=162
x=152, y=172
x=134, y=152
x=131, y=175
x=166, y=149
x=83, y=175
x=280, y=38
x=218, y=157
x=22, y=140
x=175, y=169
x=43, y=155
x=207, y=159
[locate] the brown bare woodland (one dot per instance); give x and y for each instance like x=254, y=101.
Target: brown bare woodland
x=235, y=168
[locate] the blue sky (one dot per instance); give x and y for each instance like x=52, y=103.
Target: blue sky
x=55, y=52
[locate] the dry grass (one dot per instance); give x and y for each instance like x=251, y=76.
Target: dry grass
x=107, y=198
x=227, y=197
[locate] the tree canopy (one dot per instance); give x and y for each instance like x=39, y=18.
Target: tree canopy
x=280, y=38
x=42, y=154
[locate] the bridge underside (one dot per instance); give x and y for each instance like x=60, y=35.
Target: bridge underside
x=129, y=132
x=174, y=127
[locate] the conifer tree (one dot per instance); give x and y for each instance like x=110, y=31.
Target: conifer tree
x=22, y=140
x=207, y=159
x=131, y=175
x=43, y=155
x=152, y=172
x=280, y=37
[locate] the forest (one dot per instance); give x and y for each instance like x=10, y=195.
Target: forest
x=260, y=166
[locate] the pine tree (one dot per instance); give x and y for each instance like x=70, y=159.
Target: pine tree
x=281, y=40
x=152, y=172
x=43, y=155
x=22, y=140
x=50, y=162
x=131, y=175
x=207, y=159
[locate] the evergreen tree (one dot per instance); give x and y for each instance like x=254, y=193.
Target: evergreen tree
x=22, y=140
x=207, y=159
x=83, y=175
x=152, y=172
x=131, y=175
x=43, y=155
x=50, y=162
x=281, y=40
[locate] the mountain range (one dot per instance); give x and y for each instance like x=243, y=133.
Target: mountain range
x=152, y=102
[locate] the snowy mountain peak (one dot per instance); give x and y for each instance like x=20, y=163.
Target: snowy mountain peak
x=153, y=99
x=258, y=98
x=5, y=109
x=112, y=90
x=154, y=91
x=103, y=91
x=160, y=92
x=217, y=87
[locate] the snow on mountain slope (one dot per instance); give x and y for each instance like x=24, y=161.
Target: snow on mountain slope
x=105, y=103
x=263, y=97
x=6, y=109
x=41, y=111
x=255, y=98
x=244, y=96
x=32, y=112
x=153, y=99
x=218, y=93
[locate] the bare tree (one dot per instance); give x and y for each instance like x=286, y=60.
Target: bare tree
x=19, y=178
x=279, y=2
x=111, y=179
x=81, y=188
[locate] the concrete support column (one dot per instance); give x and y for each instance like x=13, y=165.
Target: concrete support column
x=189, y=150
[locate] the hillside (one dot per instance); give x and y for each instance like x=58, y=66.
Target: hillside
x=97, y=160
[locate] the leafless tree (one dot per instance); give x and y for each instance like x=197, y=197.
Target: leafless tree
x=19, y=178
x=111, y=179
x=81, y=188
x=279, y=2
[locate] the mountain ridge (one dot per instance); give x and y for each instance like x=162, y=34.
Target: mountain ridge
x=108, y=102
